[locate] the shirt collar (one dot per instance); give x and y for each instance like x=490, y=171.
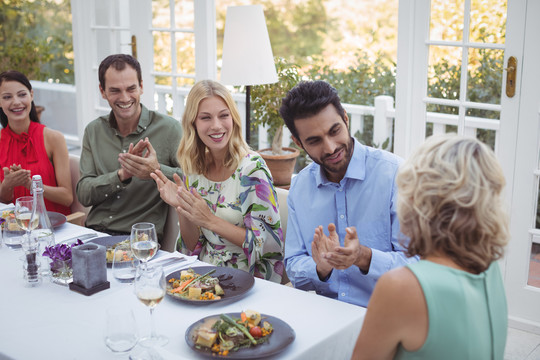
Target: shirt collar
x=356, y=169
x=144, y=121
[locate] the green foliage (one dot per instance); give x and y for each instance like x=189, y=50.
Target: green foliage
x=35, y=39
x=484, y=86
x=359, y=84
x=266, y=100
x=297, y=30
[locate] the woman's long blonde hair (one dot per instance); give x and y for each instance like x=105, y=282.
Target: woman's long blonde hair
x=192, y=154
x=449, y=202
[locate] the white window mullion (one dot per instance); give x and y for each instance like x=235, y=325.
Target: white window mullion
x=205, y=40
x=140, y=23
x=411, y=76
x=462, y=130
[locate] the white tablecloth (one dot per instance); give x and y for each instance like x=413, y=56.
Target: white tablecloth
x=53, y=322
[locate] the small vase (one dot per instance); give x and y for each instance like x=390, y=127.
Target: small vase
x=61, y=272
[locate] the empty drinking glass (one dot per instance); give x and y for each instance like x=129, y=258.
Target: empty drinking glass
x=124, y=264
x=12, y=235
x=121, y=333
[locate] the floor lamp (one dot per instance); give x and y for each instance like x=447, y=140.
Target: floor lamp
x=247, y=54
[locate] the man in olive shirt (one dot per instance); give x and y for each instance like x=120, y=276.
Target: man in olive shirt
x=121, y=149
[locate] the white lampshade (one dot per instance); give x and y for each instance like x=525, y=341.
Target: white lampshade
x=247, y=54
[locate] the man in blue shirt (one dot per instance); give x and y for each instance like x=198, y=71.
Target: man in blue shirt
x=350, y=189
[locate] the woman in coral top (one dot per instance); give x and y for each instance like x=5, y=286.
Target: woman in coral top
x=29, y=148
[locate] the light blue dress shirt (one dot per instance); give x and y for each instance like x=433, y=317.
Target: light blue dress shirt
x=366, y=199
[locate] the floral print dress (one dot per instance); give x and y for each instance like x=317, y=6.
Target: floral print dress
x=246, y=199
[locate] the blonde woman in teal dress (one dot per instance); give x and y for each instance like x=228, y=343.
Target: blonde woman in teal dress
x=451, y=304
x=226, y=203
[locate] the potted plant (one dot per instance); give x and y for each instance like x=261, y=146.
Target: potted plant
x=265, y=103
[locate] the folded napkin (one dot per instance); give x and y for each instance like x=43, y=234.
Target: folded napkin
x=166, y=260
x=4, y=207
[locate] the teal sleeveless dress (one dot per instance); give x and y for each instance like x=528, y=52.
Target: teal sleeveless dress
x=467, y=313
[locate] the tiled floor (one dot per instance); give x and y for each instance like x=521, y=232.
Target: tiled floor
x=522, y=345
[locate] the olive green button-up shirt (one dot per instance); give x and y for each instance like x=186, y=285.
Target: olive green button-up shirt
x=116, y=206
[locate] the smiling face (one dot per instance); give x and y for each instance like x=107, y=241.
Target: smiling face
x=214, y=124
x=326, y=139
x=16, y=101
x=123, y=92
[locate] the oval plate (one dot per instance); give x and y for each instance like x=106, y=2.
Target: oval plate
x=234, y=282
x=109, y=242
x=282, y=336
x=56, y=218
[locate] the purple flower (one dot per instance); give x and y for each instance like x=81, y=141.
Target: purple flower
x=2, y=220
x=60, y=251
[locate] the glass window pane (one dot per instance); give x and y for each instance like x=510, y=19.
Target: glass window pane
x=161, y=16
x=185, y=53
x=488, y=21
x=446, y=22
x=103, y=41
x=488, y=136
x=162, y=97
x=163, y=80
x=102, y=13
x=534, y=266
x=162, y=52
x=444, y=70
x=485, y=70
x=438, y=121
x=184, y=14
x=185, y=82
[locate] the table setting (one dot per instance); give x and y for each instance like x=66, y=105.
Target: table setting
x=130, y=306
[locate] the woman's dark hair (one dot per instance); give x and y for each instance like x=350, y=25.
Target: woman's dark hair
x=307, y=99
x=13, y=75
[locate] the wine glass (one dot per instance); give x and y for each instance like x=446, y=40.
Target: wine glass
x=25, y=214
x=150, y=287
x=144, y=244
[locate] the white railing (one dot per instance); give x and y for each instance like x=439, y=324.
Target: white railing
x=383, y=113
x=60, y=114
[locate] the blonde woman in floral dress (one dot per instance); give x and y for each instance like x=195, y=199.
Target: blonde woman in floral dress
x=226, y=203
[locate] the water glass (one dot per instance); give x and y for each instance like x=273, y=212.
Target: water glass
x=121, y=333
x=12, y=235
x=124, y=264
x=43, y=239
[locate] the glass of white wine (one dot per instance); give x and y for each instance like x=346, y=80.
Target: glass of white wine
x=144, y=243
x=150, y=287
x=25, y=214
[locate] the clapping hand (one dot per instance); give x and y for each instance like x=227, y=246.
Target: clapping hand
x=15, y=175
x=321, y=245
x=353, y=253
x=167, y=189
x=138, y=162
x=193, y=207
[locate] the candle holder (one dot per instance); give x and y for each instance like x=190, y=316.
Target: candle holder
x=89, y=269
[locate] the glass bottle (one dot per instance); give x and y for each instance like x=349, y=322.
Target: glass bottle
x=44, y=230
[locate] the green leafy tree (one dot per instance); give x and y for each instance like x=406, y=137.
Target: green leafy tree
x=35, y=39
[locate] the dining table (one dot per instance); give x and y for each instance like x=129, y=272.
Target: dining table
x=51, y=321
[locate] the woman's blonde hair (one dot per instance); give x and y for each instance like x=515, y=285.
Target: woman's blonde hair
x=192, y=154
x=449, y=201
